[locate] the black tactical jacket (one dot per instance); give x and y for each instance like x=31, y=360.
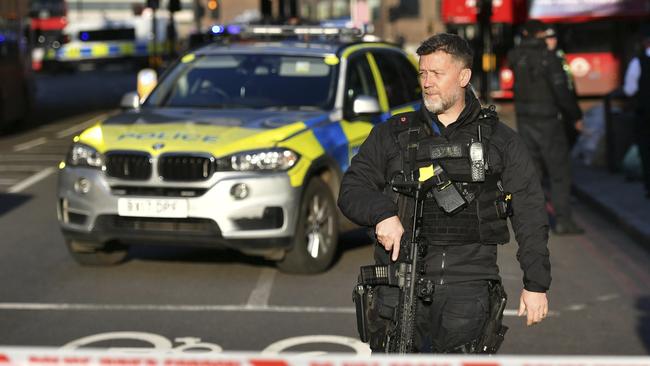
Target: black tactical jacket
x=541, y=88
x=365, y=199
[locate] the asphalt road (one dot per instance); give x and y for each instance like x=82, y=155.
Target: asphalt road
x=211, y=301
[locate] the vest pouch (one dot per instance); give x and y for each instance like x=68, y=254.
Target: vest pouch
x=503, y=205
x=381, y=315
x=361, y=296
x=449, y=199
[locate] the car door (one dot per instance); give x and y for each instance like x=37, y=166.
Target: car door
x=360, y=80
x=399, y=79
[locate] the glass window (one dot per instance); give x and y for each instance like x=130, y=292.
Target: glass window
x=248, y=81
x=409, y=75
x=358, y=81
x=397, y=91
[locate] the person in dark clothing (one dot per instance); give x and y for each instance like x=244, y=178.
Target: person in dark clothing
x=544, y=102
x=572, y=127
x=637, y=84
x=461, y=256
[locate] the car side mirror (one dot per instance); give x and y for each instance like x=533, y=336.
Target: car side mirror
x=364, y=105
x=130, y=100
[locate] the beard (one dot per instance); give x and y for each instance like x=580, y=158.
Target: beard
x=441, y=104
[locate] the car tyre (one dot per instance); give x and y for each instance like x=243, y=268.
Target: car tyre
x=316, y=235
x=93, y=254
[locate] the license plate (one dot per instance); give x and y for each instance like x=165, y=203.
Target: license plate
x=152, y=207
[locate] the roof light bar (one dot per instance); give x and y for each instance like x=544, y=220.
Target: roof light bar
x=302, y=30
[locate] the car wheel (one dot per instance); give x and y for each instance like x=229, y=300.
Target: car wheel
x=316, y=236
x=93, y=254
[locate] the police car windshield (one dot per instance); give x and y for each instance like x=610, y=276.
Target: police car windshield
x=248, y=81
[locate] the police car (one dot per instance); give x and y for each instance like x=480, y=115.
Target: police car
x=240, y=145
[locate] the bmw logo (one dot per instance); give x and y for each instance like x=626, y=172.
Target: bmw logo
x=158, y=146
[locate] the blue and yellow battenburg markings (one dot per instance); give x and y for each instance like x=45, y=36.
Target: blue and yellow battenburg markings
x=332, y=138
x=94, y=50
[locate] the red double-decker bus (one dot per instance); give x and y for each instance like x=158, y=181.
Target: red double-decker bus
x=48, y=21
x=598, y=37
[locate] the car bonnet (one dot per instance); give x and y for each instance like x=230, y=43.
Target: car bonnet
x=218, y=133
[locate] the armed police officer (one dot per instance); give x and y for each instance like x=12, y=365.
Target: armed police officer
x=544, y=103
x=572, y=128
x=460, y=241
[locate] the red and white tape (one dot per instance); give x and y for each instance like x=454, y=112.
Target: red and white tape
x=19, y=356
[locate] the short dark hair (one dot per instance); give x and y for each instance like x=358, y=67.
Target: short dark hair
x=452, y=44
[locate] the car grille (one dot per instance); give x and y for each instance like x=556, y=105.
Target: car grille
x=157, y=191
x=129, y=166
x=147, y=224
x=185, y=168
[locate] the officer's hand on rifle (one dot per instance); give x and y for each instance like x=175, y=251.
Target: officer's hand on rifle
x=534, y=304
x=389, y=234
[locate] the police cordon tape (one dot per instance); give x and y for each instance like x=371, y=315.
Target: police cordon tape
x=27, y=356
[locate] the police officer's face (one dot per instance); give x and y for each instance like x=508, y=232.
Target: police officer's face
x=443, y=80
x=551, y=43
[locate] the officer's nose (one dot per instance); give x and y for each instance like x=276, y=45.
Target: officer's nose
x=426, y=82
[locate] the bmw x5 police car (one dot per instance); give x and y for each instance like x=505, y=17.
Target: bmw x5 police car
x=240, y=145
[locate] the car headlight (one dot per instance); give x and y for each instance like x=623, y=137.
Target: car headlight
x=84, y=155
x=260, y=160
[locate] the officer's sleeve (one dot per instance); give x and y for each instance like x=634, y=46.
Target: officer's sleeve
x=361, y=198
x=565, y=97
x=530, y=221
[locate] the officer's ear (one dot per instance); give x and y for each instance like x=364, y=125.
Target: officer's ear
x=464, y=77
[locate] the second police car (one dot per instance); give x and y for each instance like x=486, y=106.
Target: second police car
x=240, y=145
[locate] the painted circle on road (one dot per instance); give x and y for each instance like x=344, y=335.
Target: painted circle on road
x=359, y=347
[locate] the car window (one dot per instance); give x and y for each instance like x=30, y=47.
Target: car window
x=397, y=90
x=248, y=81
x=358, y=81
x=409, y=75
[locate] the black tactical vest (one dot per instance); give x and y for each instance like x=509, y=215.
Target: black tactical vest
x=478, y=222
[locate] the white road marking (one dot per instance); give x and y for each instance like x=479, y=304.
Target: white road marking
x=32, y=157
x=576, y=307
x=31, y=180
x=29, y=144
x=262, y=291
x=186, y=308
x=80, y=127
x=608, y=297
x=21, y=168
x=37, y=306
x=288, y=344
x=513, y=312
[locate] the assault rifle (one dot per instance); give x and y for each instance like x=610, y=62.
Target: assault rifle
x=405, y=274
x=400, y=338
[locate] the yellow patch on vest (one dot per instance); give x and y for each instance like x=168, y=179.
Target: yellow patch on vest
x=426, y=173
